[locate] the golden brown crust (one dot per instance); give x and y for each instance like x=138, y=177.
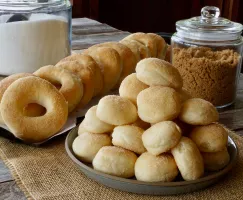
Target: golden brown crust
x=71, y=85
x=33, y=90
x=160, y=43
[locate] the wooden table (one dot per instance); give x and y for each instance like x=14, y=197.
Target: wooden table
x=86, y=33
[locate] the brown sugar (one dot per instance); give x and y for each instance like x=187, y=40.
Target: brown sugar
x=208, y=74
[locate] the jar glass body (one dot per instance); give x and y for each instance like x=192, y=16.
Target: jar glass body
x=33, y=34
x=210, y=69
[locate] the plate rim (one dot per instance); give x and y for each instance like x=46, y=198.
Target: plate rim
x=210, y=177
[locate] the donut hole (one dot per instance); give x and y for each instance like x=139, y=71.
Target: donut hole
x=34, y=110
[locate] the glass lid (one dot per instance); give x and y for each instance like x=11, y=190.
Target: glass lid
x=209, y=21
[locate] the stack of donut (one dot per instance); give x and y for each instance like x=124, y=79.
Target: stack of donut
x=154, y=130
x=36, y=106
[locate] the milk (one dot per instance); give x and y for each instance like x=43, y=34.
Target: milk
x=25, y=46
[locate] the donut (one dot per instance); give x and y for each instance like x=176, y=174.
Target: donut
x=157, y=103
x=197, y=111
x=93, y=124
x=86, y=145
x=210, y=138
x=128, y=59
x=110, y=64
x=115, y=161
x=154, y=71
x=152, y=168
x=161, y=137
x=116, y=110
x=140, y=123
x=130, y=88
x=216, y=161
x=86, y=75
x=71, y=85
x=128, y=137
x=188, y=159
x=33, y=90
x=145, y=39
x=88, y=61
x=160, y=43
x=139, y=50
x=30, y=110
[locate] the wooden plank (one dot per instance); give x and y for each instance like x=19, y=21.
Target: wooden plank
x=4, y=173
x=10, y=191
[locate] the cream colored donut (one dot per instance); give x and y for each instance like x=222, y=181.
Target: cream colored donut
x=145, y=39
x=160, y=43
x=86, y=145
x=116, y=110
x=188, y=159
x=115, y=161
x=158, y=103
x=128, y=59
x=139, y=50
x=33, y=90
x=86, y=75
x=88, y=61
x=150, y=168
x=140, y=123
x=210, y=138
x=30, y=110
x=198, y=112
x=71, y=85
x=216, y=161
x=93, y=124
x=110, y=64
x=154, y=71
x=81, y=129
x=161, y=137
x=131, y=87
x=128, y=137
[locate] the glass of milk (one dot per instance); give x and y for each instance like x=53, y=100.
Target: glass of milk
x=33, y=33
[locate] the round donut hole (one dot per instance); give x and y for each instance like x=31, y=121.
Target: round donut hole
x=34, y=110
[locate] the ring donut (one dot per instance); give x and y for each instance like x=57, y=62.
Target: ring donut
x=30, y=110
x=88, y=61
x=71, y=85
x=86, y=75
x=33, y=90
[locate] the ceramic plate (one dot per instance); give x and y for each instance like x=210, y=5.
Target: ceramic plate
x=156, y=188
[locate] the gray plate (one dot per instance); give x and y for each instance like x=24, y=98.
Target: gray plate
x=156, y=188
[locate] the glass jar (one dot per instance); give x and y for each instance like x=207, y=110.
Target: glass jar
x=207, y=51
x=33, y=34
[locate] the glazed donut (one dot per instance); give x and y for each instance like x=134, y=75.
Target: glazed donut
x=197, y=111
x=30, y=110
x=93, y=124
x=188, y=159
x=88, y=61
x=86, y=145
x=110, y=64
x=154, y=71
x=161, y=45
x=152, y=168
x=71, y=85
x=157, y=103
x=128, y=59
x=130, y=88
x=210, y=138
x=86, y=75
x=146, y=40
x=116, y=110
x=115, y=161
x=139, y=50
x=128, y=137
x=161, y=137
x=33, y=90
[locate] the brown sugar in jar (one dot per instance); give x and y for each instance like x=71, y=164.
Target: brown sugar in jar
x=208, y=74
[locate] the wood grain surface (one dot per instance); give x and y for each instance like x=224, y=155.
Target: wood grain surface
x=88, y=32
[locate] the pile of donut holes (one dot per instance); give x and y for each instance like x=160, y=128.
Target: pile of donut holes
x=36, y=106
x=153, y=130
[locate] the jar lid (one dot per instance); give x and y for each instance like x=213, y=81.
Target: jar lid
x=209, y=26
